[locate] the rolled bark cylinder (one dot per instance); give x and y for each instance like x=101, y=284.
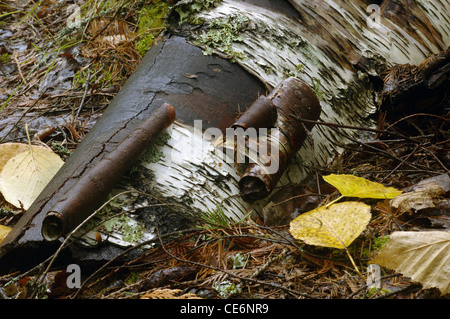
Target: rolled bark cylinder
x=262, y=113
x=293, y=100
x=95, y=185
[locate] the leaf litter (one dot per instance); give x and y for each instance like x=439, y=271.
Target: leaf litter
x=197, y=262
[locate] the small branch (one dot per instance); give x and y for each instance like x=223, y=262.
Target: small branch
x=86, y=86
x=352, y=127
x=18, y=67
x=124, y=253
x=267, y=264
x=273, y=285
x=23, y=115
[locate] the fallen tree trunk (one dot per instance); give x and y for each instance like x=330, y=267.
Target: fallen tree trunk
x=328, y=45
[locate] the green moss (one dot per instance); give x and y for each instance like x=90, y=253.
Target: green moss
x=130, y=230
x=151, y=23
x=317, y=89
x=379, y=242
x=152, y=155
x=5, y=58
x=226, y=288
x=60, y=149
x=102, y=78
x=113, y=219
x=377, y=292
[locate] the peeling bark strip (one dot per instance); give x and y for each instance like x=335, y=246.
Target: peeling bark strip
x=95, y=185
x=294, y=100
x=423, y=88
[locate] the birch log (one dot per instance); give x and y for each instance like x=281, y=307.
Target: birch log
x=339, y=48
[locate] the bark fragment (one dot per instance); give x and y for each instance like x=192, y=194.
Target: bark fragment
x=417, y=88
x=95, y=185
x=293, y=100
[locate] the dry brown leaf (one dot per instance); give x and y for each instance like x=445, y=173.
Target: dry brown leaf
x=422, y=256
x=417, y=200
x=26, y=174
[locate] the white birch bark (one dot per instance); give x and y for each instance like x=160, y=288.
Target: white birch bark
x=274, y=47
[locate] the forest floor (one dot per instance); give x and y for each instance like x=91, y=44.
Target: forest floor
x=58, y=77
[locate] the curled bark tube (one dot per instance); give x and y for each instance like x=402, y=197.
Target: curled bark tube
x=293, y=100
x=262, y=113
x=95, y=185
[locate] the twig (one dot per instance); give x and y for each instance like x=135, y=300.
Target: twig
x=267, y=264
x=368, y=129
x=86, y=86
x=400, y=164
x=260, y=282
x=297, y=196
x=366, y=285
x=23, y=115
x=18, y=67
x=437, y=159
x=124, y=253
x=418, y=114
x=107, y=25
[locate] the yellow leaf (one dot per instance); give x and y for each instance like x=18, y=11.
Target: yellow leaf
x=9, y=150
x=4, y=230
x=333, y=226
x=423, y=256
x=353, y=186
x=25, y=175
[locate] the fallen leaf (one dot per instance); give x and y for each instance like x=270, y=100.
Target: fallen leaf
x=417, y=200
x=335, y=226
x=422, y=256
x=9, y=150
x=440, y=181
x=4, y=230
x=354, y=186
x=26, y=174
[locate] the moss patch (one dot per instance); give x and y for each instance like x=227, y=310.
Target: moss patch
x=153, y=154
x=151, y=23
x=221, y=35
